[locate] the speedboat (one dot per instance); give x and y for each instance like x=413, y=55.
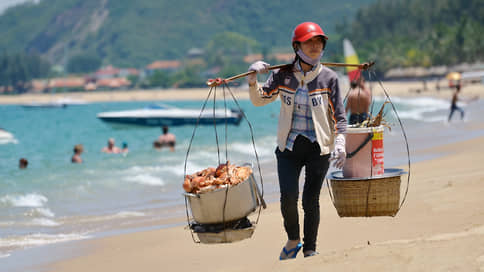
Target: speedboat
x=53, y=104
x=157, y=115
x=6, y=137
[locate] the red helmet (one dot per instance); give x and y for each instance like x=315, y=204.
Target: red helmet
x=306, y=31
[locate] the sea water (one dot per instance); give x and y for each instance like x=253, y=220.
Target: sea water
x=54, y=200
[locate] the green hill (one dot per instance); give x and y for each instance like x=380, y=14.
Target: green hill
x=134, y=33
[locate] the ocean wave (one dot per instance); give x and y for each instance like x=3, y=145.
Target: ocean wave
x=45, y=222
x=46, y=212
x=7, y=223
x=192, y=167
x=146, y=179
x=262, y=147
x=28, y=200
x=125, y=214
x=416, y=101
x=39, y=239
x=416, y=108
x=119, y=215
x=204, y=155
x=9, y=141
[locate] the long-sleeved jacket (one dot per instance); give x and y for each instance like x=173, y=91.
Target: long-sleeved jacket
x=327, y=108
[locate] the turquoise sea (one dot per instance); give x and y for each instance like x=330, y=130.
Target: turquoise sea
x=54, y=200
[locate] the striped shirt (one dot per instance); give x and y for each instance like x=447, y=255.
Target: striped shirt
x=302, y=121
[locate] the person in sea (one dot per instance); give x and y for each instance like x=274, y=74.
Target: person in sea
x=124, y=148
x=76, y=158
x=358, y=101
x=23, y=163
x=111, y=147
x=165, y=140
x=311, y=131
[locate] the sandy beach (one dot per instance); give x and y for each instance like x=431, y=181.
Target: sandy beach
x=393, y=88
x=439, y=228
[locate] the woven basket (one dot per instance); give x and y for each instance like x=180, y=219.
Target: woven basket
x=366, y=197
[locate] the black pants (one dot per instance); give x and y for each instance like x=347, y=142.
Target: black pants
x=289, y=165
x=456, y=108
x=356, y=118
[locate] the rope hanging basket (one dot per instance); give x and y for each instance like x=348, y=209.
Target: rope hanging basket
x=220, y=215
x=375, y=192
x=375, y=196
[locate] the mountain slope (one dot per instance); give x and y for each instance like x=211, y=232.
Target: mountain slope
x=127, y=33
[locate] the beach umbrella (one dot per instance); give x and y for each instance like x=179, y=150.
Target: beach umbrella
x=454, y=76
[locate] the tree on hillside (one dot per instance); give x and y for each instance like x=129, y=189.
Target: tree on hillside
x=18, y=70
x=160, y=79
x=229, y=46
x=83, y=63
x=406, y=33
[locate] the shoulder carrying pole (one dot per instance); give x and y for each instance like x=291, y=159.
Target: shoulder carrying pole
x=219, y=81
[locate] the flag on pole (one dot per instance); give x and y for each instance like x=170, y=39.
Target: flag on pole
x=351, y=58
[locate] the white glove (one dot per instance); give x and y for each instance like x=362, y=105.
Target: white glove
x=339, y=153
x=258, y=67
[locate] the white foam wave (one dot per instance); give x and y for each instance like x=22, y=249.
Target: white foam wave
x=125, y=214
x=45, y=212
x=191, y=167
x=4, y=255
x=146, y=179
x=263, y=149
x=44, y=222
x=29, y=200
x=39, y=239
x=7, y=223
x=422, y=101
x=143, y=169
x=122, y=214
x=9, y=141
x=419, y=108
x=204, y=155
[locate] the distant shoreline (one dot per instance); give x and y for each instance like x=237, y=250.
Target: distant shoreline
x=115, y=96
x=393, y=88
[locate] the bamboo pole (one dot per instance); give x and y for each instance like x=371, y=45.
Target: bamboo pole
x=219, y=81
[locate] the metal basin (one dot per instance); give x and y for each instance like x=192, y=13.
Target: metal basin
x=239, y=201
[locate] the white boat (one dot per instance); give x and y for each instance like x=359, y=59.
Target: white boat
x=6, y=137
x=53, y=104
x=156, y=115
x=58, y=103
x=71, y=101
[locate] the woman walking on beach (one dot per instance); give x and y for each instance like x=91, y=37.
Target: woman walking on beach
x=312, y=124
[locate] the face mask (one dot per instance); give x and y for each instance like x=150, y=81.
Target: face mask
x=307, y=59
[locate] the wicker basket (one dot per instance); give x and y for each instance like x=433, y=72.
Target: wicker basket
x=376, y=196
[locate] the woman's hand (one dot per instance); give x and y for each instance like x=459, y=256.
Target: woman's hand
x=339, y=153
x=258, y=67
